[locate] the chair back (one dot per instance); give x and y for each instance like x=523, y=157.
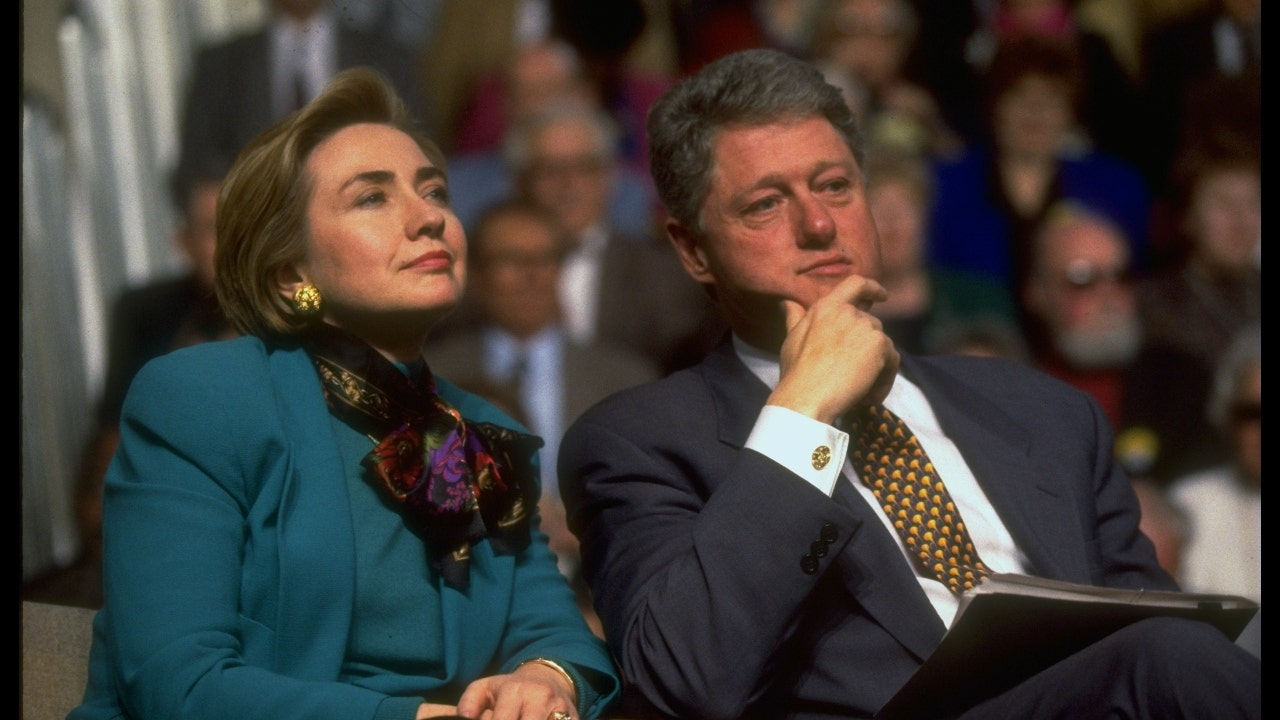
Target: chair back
x=55, y=658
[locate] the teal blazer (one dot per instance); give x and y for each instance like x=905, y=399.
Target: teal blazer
x=230, y=558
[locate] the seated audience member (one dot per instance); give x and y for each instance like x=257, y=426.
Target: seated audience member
x=472, y=42
x=742, y=565
x=983, y=336
x=990, y=199
x=709, y=30
x=1224, y=503
x=1108, y=109
x=540, y=77
x=1192, y=309
x=169, y=313
x=146, y=321
x=615, y=288
x=520, y=346
x=1083, y=325
x=1203, y=42
x=872, y=42
x=921, y=298
x=539, y=73
x=606, y=35
x=242, y=84
x=306, y=522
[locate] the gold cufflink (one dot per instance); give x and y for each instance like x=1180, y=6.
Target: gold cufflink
x=821, y=456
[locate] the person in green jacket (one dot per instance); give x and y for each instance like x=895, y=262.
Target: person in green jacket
x=305, y=522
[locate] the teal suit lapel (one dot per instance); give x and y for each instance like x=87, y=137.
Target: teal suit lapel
x=315, y=528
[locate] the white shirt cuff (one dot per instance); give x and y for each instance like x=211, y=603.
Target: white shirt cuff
x=811, y=449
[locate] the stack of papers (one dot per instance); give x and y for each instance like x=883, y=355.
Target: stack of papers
x=1013, y=626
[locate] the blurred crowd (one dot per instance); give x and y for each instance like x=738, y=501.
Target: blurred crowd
x=1067, y=183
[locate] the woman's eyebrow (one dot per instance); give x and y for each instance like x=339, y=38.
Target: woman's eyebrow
x=373, y=177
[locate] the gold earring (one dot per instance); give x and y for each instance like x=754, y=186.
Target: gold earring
x=306, y=301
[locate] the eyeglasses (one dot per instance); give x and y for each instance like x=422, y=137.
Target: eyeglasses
x=1246, y=412
x=1084, y=275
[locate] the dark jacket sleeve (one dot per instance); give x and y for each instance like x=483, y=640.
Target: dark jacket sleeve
x=660, y=504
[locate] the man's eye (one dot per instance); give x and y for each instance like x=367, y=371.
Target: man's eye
x=838, y=185
x=762, y=205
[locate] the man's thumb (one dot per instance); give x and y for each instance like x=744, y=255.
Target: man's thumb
x=793, y=312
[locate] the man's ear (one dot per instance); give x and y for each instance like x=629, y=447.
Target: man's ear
x=689, y=247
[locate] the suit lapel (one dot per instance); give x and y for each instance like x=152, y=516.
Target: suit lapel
x=315, y=527
x=871, y=567
x=998, y=451
x=736, y=392
x=875, y=572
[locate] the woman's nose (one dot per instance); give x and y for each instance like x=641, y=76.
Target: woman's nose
x=426, y=218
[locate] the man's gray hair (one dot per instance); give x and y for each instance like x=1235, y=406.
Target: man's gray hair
x=751, y=87
x=517, y=149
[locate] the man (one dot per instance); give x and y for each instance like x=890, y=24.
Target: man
x=519, y=355
x=1080, y=301
x=1223, y=503
x=517, y=253
x=242, y=84
x=169, y=313
x=539, y=77
x=146, y=321
x=616, y=288
x=740, y=571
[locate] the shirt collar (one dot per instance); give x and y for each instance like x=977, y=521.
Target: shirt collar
x=762, y=364
x=905, y=398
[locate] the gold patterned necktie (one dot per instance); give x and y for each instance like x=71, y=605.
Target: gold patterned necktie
x=889, y=459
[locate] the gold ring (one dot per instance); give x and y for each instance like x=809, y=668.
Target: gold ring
x=559, y=715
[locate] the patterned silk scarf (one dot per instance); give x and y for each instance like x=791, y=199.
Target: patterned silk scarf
x=456, y=481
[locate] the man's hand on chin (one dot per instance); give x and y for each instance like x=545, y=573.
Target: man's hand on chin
x=836, y=354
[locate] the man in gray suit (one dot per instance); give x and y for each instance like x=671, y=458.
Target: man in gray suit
x=615, y=288
x=518, y=354
x=740, y=567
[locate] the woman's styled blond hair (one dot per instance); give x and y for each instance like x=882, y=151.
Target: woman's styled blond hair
x=262, y=210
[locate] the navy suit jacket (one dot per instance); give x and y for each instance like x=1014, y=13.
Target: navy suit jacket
x=693, y=545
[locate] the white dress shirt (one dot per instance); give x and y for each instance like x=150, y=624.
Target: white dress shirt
x=789, y=438
x=580, y=285
x=1224, y=551
x=305, y=51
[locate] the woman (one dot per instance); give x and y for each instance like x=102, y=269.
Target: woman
x=870, y=44
x=304, y=522
x=925, y=303
x=1194, y=306
x=990, y=199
